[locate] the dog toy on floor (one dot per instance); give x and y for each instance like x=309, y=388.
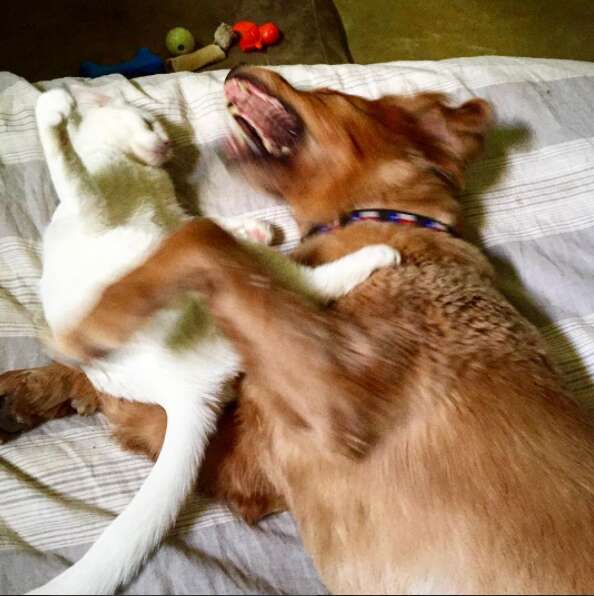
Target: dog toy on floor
x=144, y=63
x=215, y=52
x=253, y=37
x=180, y=41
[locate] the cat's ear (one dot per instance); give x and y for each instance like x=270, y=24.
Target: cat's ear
x=91, y=98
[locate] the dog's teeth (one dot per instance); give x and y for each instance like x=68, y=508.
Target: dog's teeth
x=285, y=150
x=268, y=145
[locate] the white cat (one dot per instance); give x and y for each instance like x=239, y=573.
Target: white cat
x=116, y=204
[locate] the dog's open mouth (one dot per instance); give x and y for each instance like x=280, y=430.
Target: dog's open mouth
x=263, y=125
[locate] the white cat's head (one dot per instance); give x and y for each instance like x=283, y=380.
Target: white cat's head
x=122, y=126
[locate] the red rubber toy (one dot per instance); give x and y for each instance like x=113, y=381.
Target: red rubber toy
x=269, y=34
x=252, y=37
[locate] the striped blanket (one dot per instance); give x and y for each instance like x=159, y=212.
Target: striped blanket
x=529, y=202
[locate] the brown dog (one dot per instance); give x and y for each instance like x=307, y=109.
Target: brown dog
x=417, y=429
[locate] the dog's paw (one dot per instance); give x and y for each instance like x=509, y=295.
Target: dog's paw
x=88, y=342
x=254, y=230
x=54, y=107
x=86, y=405
x=21, y=396
x=16, y=389
x=123, y=309
x=30, y=396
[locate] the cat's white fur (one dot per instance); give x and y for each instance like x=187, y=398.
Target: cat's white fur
x=116, y=204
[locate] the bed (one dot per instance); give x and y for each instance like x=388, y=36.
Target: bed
x=529, y=203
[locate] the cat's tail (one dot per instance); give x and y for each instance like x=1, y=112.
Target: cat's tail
x=122, y=548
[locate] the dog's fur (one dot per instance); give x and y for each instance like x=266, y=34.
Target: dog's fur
x=417, y=430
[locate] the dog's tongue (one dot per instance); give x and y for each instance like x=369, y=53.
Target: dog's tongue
x=264, y=119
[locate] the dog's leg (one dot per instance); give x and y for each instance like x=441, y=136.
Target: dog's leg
x=315, y=363
x=312, y=365
x=128, y=304
x=31, y=396
x=136, y=426
x=233, y=470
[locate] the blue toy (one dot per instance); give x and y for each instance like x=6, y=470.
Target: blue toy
x=144, y=63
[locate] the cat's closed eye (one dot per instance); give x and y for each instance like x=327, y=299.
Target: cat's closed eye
x=148, y=123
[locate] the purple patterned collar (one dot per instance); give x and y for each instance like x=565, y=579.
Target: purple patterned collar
x=383, y=215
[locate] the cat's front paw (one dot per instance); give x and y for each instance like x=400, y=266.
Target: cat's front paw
x=380, y=255
x=54, y=107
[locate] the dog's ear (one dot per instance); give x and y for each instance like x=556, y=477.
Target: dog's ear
x=447, y=137
x=467, y=127
x=459, y=132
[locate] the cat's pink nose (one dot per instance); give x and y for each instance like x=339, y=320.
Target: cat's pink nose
x=167, y=143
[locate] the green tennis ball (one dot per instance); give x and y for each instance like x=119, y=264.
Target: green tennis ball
x=179, y=41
